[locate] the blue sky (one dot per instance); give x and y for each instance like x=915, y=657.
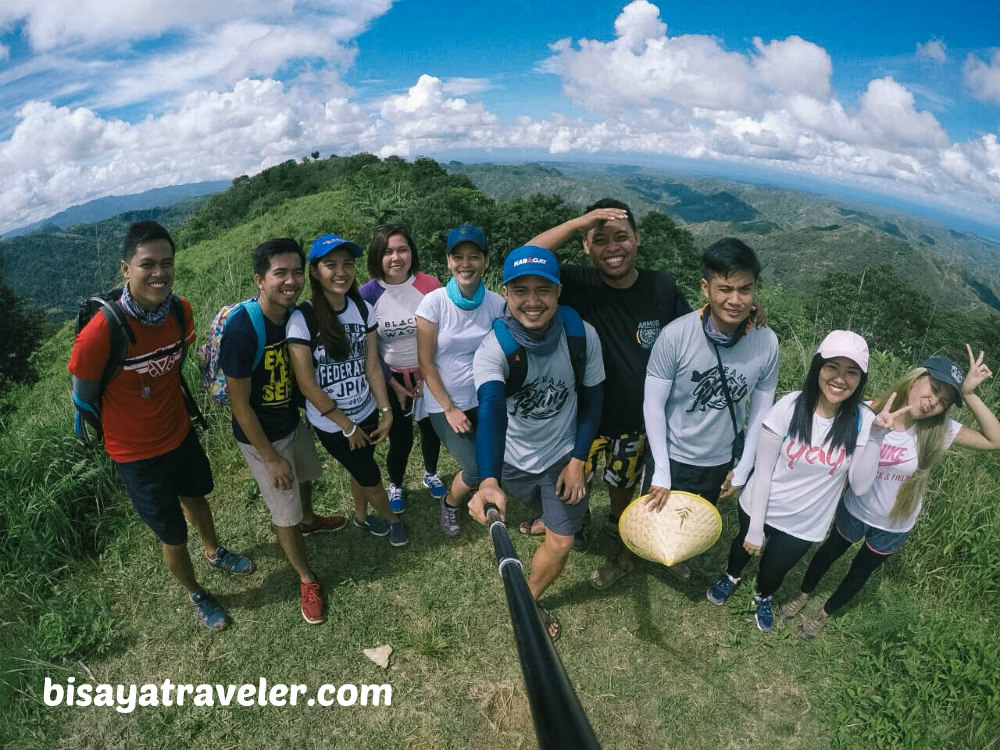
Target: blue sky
x=103, y=97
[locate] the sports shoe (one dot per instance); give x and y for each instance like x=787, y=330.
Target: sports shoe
x=323, y=523
x=791, y=608
x=397, y=534
x=374, y=524
x=433, y=482
x=764, y=616
x=312, y=603
x=722, y=589
x=238, y=565
x=395, y=493
x=212, y=615
x=812, y=625
x=449, y=519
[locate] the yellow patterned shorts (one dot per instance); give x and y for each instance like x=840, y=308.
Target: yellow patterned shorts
x=622, y=457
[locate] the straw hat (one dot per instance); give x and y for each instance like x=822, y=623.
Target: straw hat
x=687, y=526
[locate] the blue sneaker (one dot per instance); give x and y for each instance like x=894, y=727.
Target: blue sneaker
x=764, y=616
x=395, y=493
x=238, y=565
x=212, y=615
x=722, y=589
x=374, y=524
x=433, y=482
x=397, y=534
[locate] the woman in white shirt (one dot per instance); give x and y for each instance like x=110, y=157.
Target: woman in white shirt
x=886, y=514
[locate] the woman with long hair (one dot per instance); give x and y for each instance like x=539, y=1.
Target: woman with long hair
x=812, y=442
x=885, y=515
x=394, y=291
x=334, y=353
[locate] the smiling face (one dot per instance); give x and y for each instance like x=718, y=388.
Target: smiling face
x=729, y=298
x=612, y=247
x=396, y=260
x=467, y=264
x=929, y=397
x=335, y=273
x=281, y=285
x=532, y=301
x=838, y=379
x=150, y=273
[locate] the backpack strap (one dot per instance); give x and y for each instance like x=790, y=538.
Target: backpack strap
x=252, y=306
x=576, y=340
x=517, y=358
x=119, y=337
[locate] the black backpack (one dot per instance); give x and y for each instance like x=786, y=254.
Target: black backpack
x=120, y=337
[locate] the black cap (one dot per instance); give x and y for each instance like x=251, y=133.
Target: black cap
x=941, y=368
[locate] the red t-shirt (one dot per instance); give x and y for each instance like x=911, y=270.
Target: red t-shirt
x=142, y=410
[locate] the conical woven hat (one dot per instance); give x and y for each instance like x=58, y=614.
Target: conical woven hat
x=686, y=527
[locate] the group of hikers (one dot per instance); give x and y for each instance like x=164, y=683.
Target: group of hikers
x=569, y=372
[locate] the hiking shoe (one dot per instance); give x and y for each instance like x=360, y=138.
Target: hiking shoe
x=433, y=482
x=764, y=616
x=722, y=589
x=449, y=519
x=791, y=608
x=323, y=523
x=212, y=615
x=312, y=603
x=395, y=493
x=397, y=534
x=238, y=565
x=812, y=625
x=374, y=524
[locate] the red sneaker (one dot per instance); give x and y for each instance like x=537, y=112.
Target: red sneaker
x=312, y=603
x=323, y=523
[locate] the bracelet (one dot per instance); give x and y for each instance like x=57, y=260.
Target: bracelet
x=349, y=434
x=386, y=409
x=332, y=408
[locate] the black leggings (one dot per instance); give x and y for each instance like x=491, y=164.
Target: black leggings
x=401, y=442
x=781, y=553
x=865, y=563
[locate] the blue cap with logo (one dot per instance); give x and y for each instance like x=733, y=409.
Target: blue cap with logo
x=327, y=242
x=531, y=260
x=467, y=233
x=942, y=368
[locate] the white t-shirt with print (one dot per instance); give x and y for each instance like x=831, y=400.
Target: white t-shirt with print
x=460, y=332
x=808, y=480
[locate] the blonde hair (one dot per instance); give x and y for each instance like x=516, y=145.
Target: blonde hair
x=930, y=439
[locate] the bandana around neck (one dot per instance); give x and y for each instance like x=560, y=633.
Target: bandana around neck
x=717, y=337
x=135, y=310
x=455, y=295
x=542, y=343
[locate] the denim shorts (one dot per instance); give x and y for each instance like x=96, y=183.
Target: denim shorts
x=878, y=540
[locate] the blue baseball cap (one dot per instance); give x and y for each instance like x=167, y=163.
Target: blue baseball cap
x=531, y=260
x=327, y=242
x=467, y=233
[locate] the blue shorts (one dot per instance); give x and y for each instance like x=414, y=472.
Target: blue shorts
x=853, y=529
x=155, y=484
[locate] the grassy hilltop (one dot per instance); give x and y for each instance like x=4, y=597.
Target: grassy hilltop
x=912, y=663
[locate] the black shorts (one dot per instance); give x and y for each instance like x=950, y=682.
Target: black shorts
x=360, y=463
x=155, y=484
x=701, y=480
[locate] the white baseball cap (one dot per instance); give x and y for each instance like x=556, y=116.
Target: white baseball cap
x=845, y=344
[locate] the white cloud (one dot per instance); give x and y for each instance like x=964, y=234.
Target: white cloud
x=983, y=78
x=890, y=119
x=465, y=86
x=933, y=50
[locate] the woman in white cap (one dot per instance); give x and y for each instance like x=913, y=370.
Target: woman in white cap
x=812, y=442
x=885, y=515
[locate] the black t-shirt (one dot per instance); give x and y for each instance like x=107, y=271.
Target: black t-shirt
x=272, y=385
x=627, y=322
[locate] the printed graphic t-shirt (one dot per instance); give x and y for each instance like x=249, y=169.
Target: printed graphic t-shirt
x=272, y=385
x=142, y=409
x=541, y=417
x=395, y=308
x=627, y=321
x=808, y=480
x=699, y=426
x=343, y=380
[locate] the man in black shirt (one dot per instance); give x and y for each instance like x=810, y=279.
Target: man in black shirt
x=627, y=306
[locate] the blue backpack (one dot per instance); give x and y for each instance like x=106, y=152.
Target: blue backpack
x=517, y=357
x=213, y=379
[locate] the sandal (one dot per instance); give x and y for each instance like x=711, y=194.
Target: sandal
x=552, y=625
x=608, y=573
x=535, y=527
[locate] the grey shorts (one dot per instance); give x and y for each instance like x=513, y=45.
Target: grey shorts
x=538, y=492
x=461, y=446
x=300, y=452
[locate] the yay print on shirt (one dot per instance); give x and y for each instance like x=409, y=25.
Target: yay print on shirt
x=814, y=455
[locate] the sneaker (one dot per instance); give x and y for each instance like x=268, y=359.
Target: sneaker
x=812, y=625
x=722, y=589
x=395, y=493
x=374, y=524
x=791, y=608
x=433, y=482
x=449, y=519
x=238, y=565
x=764, y=616
x=397, y=534
x=212, y=615
x=312, y=603
x=323, y=523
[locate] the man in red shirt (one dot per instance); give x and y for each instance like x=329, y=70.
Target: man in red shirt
x=147, y=431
